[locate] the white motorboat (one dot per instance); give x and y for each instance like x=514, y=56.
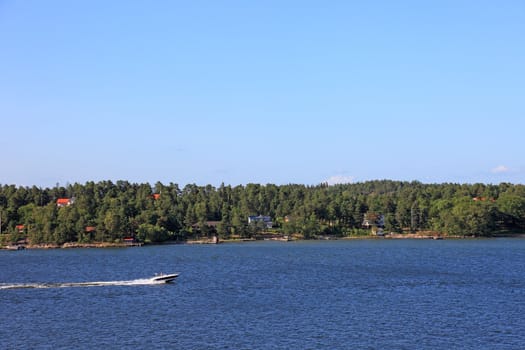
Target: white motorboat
x=164, y=278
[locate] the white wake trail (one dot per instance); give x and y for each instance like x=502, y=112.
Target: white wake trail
x=137, y=282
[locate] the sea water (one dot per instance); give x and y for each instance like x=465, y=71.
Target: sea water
x=352, y=294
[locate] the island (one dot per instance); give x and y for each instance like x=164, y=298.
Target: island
x=124, y=214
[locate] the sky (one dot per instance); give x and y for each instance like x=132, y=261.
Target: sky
x=279, y=92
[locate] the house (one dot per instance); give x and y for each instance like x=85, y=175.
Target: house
x=129, y=240
x=210, y=225
x=261, y=218
x=132, y=242
x=155, y=196
x=211, y=230
x=90, y=231
x=20, y=228
x=64, y=202
x=372, y=220
x=482, y=199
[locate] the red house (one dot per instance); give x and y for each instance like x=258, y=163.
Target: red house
x=130, y=240
x=62, y=202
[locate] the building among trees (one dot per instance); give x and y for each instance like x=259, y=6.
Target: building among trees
x=266, y=220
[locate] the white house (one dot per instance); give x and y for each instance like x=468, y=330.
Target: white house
x=261, y=218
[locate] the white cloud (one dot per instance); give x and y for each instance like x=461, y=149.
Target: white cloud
x=339, y=179
x=500, y=169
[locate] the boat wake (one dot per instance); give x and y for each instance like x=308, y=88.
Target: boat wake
x=137, y=282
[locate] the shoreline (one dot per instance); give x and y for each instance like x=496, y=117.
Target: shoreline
x=396, y=236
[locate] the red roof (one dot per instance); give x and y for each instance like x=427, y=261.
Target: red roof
x=63, y=201
x=156, y=196
x=19, y=227
x=90, y=228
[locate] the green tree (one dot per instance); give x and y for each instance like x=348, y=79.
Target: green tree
x=152, y=233
x=471, y=218
x=513, y=209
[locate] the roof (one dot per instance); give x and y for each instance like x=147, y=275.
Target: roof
x=63, y=201
x=264, y=218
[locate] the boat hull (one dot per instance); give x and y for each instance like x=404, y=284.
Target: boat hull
x=165, y=278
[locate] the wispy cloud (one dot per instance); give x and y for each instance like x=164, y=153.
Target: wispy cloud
x=500, y=169
x=339, y=179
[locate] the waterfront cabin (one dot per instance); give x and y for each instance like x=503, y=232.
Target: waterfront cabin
x=261, y=218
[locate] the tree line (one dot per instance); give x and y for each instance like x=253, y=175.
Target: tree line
x=109, y=211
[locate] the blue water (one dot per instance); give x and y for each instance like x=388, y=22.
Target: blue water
x=365, y=294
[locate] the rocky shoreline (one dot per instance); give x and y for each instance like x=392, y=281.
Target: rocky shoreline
x=70, y=245
x=74, y=245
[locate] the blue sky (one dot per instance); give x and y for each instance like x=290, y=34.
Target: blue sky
x=263, y=92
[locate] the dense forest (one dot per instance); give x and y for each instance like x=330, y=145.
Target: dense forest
x=109, y=212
